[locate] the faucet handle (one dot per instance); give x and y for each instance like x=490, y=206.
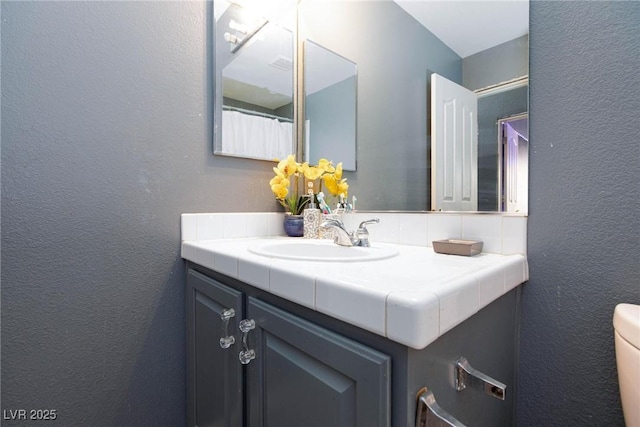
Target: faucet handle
x=332, y=220
x=362, y=234
x=363, y=224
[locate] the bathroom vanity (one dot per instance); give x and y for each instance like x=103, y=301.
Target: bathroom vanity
x=293, y=342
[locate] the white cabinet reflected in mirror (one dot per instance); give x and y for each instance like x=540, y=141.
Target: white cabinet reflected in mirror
x=254, y=74
x=330, y=86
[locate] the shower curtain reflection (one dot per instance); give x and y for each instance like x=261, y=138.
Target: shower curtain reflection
x=241, y=131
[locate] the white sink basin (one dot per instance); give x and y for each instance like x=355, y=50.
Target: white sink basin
x=321, y=250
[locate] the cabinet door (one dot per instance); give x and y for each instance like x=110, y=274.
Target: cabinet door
x=214, y=382
x=305, y=375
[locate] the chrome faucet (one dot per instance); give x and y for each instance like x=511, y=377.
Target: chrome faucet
x=344, y=238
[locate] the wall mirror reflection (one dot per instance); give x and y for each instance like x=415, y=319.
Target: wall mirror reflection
x=503, y=145
x=330, y=85
x=479, y=147
x=481, y=46
x=254, y=75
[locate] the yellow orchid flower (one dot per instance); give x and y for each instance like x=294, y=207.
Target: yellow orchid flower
x=280, y=191
x=279, y=178
x=326, y=165
x=279, y=184
x=338, y=171
x=286, y=189
x=336, y=186
x=331, y=184
x=343, y=188
x=311, y=172
x=288, y=166
x=334, y=182
x=276, y=180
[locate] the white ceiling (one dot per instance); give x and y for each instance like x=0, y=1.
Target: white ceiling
x=266, y=64
x=471, y=26
x=466, y=26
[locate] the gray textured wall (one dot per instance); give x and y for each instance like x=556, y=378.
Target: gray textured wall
x=106, y=139
x=497, y=64
x=583, y=217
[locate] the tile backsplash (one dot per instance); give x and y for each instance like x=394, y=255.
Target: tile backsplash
x=501, y=233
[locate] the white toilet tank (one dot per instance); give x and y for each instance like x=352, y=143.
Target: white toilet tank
x=626, y=322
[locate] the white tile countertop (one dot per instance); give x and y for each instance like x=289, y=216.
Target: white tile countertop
x=411, y=298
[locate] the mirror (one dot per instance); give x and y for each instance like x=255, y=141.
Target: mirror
x=395, y=55
x=254, y=75
x=330, y=83
x=503, y=149
x=396, y=45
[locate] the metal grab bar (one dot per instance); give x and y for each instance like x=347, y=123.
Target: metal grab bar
x=465, y=376
x=430, y=414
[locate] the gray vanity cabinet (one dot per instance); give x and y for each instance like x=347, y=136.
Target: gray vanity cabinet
x=302, y=373
x=313, y=370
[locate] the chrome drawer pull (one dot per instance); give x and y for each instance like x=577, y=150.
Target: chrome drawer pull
x=465, y=376
x=430, y=414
